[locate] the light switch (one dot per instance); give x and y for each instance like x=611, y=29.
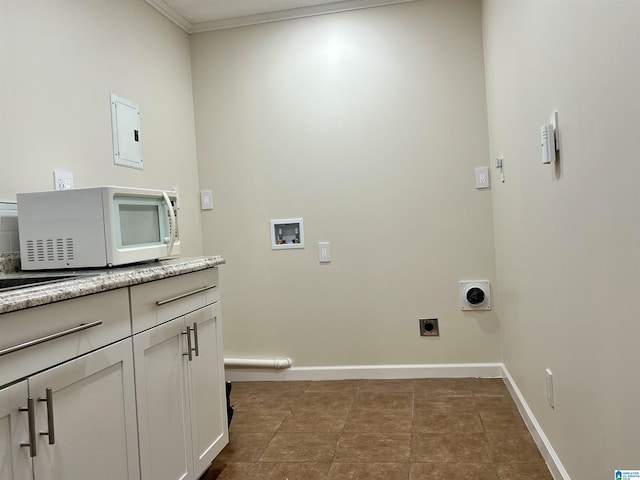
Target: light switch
x=206, y=200
x=324, y=252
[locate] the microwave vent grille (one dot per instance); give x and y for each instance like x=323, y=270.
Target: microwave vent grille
x=50, y=250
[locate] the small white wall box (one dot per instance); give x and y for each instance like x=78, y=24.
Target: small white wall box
x=125, y=129
x=475, y=295
x=287, y=233
x=549, y=139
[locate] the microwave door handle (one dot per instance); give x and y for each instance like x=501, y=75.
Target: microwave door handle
x=172, y=223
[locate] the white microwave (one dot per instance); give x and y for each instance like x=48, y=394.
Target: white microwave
x=96, y=227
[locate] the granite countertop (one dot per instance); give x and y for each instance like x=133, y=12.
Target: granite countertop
x=94, y=281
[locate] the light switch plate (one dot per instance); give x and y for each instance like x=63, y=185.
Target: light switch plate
x=206, y=200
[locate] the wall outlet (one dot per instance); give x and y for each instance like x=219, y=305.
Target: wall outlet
x=482, y=177
x=429, y=327
x=324, y=252
x=62, y=180
x=549, y=377
x=177, y=190
x=475, y=295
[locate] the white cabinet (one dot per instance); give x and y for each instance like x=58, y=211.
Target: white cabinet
x=90, y=412
x=15, y=462
x=37, y=338
x=165, y=446
x=206, y=387
x=154, y=303
x=73, y=365
x=181, y=393
x=126, y=384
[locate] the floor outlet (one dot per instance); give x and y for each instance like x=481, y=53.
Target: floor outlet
x=429, y=327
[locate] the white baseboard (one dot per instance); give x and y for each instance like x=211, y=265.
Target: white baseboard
x=366, y=372
x=553, y=462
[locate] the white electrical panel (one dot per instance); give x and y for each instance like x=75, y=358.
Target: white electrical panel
x=125, y=129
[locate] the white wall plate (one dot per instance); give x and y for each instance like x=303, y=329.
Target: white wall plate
x=475, y=295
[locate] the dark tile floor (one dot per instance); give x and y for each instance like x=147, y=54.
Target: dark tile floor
x=424, y=429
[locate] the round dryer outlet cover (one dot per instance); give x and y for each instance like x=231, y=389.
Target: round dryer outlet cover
x=475, y=295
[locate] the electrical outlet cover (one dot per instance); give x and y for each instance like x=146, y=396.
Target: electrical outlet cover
x=324, y=252
x=475, y=295
x=429, y=327
x=62, y=180
x=482, y=177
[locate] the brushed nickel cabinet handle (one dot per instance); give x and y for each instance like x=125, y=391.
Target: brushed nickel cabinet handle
x=159, y=303
x=195, y=338
x=47, y=338
x=50, y=425
x=189, y=349
x=31, y=411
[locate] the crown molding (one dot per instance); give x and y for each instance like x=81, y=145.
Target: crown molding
x=218, y=24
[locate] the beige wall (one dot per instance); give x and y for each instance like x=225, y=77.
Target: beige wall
x=567, y=238
x=59, y=61
x=368, y=124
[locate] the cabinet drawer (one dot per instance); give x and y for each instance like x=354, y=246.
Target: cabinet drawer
x=157, y=302
x=39, y=337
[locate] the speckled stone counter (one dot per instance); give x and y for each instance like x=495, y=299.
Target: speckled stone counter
x=95, y=281
x=9, y=262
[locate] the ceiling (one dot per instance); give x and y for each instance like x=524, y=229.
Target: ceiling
x=203, y=15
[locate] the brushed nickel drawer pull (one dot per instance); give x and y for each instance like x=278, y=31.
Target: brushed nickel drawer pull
x=195, y=338
x=31, y=411
x=51, y=428
x=188, y=294
x=53, y=336
x=189, y=347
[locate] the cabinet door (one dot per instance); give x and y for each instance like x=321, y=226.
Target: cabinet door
x=92, y=409
x=15, y=461
x=207, y=388
x=165, y=438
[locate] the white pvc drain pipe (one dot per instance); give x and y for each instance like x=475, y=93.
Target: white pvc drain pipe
x=277, y=363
